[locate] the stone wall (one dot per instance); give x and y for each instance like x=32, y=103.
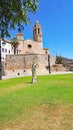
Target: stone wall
x=58, y=68
x=19, y=63
x=52, y=60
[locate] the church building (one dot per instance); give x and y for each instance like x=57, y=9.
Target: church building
x=34, y=46
x=28, y=51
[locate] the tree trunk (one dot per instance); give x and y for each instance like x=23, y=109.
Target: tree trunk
x=14, y=50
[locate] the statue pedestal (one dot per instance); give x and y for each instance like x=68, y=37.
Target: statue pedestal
x=34, y=80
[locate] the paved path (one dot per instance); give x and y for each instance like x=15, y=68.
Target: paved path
x=53, y=73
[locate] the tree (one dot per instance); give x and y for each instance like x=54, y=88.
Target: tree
x=58, y=60
x=15, y=13
x=15, y=44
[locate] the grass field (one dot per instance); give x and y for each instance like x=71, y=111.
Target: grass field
x=47, y=105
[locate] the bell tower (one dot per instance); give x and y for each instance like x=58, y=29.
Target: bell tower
x=37, y=32
x=20, y=35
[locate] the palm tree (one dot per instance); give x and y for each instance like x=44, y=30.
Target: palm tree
x=15, y=44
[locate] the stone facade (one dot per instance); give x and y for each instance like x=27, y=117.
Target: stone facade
x=34, y=46
x=58, y=68
x=30, y=51
x=23, y=63
x=31, y=47
x=52, y=60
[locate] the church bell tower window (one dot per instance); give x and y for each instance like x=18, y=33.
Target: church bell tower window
x=38, y=31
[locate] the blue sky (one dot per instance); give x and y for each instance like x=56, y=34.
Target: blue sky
x=56, y=19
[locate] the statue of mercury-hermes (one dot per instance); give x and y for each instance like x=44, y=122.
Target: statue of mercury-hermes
x=34, y=77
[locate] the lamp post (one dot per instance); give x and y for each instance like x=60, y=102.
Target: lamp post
x=49, y=64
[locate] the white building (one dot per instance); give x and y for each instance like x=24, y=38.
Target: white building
x=6, y=48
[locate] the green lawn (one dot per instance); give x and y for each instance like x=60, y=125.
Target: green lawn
x=47, y=105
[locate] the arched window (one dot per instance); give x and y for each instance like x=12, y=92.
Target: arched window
x=34, y=31
x=38, y=30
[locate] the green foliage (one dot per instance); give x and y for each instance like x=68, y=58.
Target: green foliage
x=58, y=60
x=14, y=13
x=15, y=44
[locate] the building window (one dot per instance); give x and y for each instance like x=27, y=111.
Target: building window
x=9, y=51
x=12, y=47
x=29, y=46
x=46, y=52
x=5, y=50
x=3, y=43
x=38, y=31
x=2, y=49
x=34, y=31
